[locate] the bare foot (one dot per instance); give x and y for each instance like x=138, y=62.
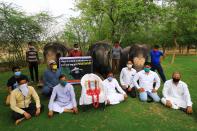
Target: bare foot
x=69, y=111
x=17, y=122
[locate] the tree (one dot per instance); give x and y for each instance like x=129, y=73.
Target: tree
x=17, y=28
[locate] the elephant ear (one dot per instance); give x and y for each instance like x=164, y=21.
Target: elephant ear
x=132, y=51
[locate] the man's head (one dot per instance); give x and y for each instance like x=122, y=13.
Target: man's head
x=62, y=79
x=156, y=47
x=21, y=81
x=176, y=76
x=147, y=67
x=110, y=76
x=53, y=65
x=76, y=47
x=116, y=44
x=16, y=70
x=30, y=45
x=129, y=64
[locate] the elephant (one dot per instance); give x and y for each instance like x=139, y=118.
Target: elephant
x=101, y=55
x=137, y=53
x=55, y=50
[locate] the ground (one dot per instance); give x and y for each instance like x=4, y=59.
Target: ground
x=131, y=114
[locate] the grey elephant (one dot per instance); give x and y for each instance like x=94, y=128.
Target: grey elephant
x=55, y=50
x=101, y=55
x=137, y=53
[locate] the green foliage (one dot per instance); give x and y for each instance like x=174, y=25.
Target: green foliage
x=137, y=21
x=17, y=28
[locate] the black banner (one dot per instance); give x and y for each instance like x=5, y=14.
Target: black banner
x=75, y=67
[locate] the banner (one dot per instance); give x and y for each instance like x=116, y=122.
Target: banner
x=75, y=67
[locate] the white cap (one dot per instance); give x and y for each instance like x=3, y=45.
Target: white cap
x=51, y=62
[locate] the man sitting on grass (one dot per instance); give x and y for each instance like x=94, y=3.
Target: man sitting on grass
x=126, y=79
x=20, y=101
x=176, y=94
x=111, y=87
x=62, y=98
x=12, y=83
x=146, y=87
x=50, y=78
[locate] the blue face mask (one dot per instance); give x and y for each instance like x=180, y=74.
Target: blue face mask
x=18, y=73
x=63, y=83
x=110, y=78
x=146, y=69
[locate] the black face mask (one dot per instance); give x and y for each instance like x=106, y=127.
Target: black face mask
x=175, y=80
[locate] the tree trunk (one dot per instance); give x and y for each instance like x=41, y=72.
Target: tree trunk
x=175, y=48
x=164, y=49
x=196, y=50
x=180, y=49
x=188, y=49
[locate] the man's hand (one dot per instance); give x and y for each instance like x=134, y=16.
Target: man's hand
x=129, y=89
x=125, y=96
x=27, y=115
x=189, y=110
x=50, y=114
x=154, y=90
x=141, y=90
x=168, y=104
x=75, y=110
x=37, y=111
x=124, y=86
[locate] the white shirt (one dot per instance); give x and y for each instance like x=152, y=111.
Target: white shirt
x=126, y=76
x=146, y=80
x=179, y=93
x=110, y=87
x=63, y=96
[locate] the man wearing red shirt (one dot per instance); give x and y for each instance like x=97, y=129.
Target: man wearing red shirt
x=76, y=51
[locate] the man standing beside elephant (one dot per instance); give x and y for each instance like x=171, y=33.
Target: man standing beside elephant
x=33, y=61
x=76, y=52
x=156, y=54
x=116, y=53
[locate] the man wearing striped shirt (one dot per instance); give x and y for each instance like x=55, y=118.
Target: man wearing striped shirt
x=33, y=60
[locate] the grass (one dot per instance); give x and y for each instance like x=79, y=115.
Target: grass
x=129, y=115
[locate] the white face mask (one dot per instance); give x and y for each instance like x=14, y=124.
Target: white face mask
x=24, y=89
x=76, y=48
x=129, y=66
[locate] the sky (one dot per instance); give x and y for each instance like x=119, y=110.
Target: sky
x=55, y=8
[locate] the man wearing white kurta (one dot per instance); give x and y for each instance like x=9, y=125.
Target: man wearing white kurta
x=62, y=98
x=176, y=94
x=146, y=79
x=110, y=86
x=126, y=79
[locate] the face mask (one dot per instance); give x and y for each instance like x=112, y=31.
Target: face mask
x=24, y=90
x=76, y=48
x=54, y=67
x=23, y=86
x=18, y=73
x=110, y=78
x=129, y=66
x=147, y=69
x=175, y=80
x=63, y=83
x=116, y=45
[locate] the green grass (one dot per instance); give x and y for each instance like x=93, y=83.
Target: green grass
x=129, y=115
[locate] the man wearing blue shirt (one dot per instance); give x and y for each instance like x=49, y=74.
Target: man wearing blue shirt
x=50, y=78
x=156, y=54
